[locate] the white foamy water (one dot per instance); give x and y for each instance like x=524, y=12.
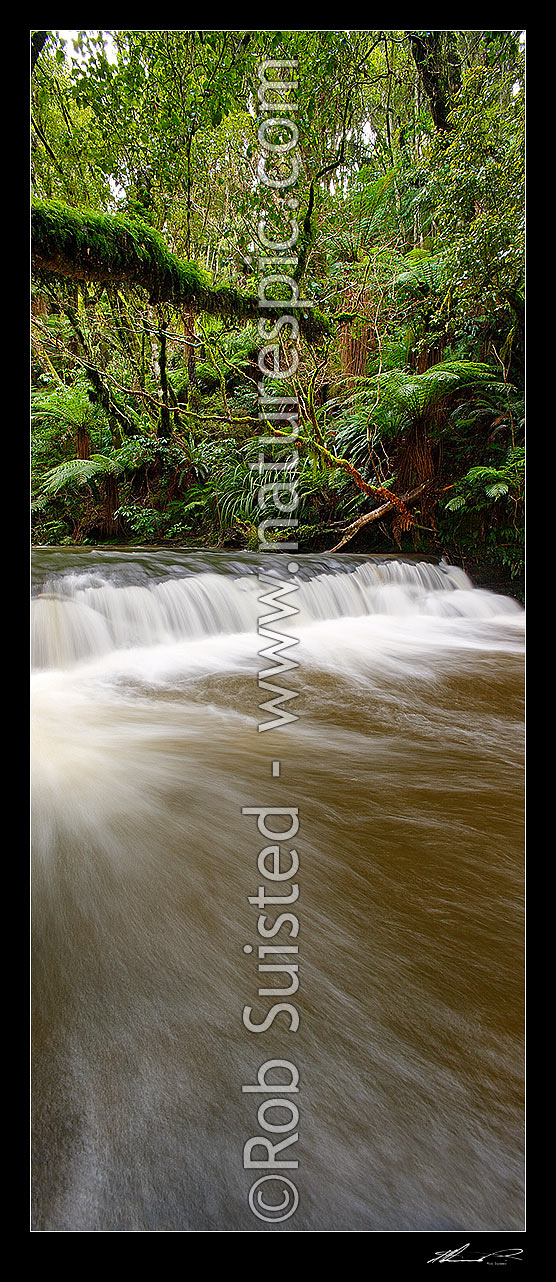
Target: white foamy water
x=75, y=618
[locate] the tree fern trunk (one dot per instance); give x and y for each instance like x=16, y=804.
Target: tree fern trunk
x=83, y=443
x=111, y=503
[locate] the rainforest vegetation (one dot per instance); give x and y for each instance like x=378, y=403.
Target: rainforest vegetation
x=146, y=237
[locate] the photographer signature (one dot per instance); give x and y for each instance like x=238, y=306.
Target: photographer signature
x=491, y=1257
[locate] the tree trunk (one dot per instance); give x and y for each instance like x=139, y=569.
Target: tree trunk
x=111, y=497
x=38, y=41
x=436, y=59
x=165, y=430
x=83, y=442
x=189, y=347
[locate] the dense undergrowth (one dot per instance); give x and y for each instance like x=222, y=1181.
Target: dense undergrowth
x=145, y=414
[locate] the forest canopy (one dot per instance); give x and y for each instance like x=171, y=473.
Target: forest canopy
x=149, y=224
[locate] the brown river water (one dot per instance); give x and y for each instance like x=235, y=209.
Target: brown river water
x=400, y=784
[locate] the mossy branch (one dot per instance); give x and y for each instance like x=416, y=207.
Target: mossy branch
x=84, y=245
x=335, y=460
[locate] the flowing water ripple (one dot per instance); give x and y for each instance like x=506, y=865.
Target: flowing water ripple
x=406, y=764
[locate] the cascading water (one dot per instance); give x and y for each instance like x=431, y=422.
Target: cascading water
x=405, y=764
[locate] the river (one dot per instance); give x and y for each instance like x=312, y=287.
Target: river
x=403, y=766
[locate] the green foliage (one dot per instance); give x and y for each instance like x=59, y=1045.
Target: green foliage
x=473, y=193
x=487, y=504
x=68, y=408
x=355, y=222
x=75, y=471
x=146, y=245
x=146, y=523
x=395, y=401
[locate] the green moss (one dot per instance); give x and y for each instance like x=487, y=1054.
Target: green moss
x=87, y=245
x=91, y=246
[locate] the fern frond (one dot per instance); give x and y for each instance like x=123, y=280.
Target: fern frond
x=76, y=471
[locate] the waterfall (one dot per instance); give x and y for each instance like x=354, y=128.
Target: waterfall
x=76, y=616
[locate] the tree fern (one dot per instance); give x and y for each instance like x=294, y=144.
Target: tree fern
x=490, y=483
x=396, y=400
x=75, y=471
x=70, y=406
